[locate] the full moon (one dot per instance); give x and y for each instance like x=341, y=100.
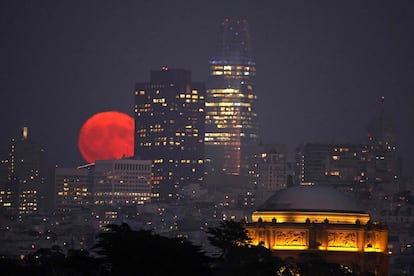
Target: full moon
x=107, y=135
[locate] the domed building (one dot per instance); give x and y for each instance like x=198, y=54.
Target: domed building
x=321, y=220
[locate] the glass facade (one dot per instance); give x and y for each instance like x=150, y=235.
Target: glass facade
x=231, y=128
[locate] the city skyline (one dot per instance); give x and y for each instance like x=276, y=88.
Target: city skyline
x=321, y=68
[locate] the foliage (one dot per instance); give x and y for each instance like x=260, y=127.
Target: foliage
x=227, y=235
x=314, y=264
x=238, y=256
x=248, y=260
x=124, y=250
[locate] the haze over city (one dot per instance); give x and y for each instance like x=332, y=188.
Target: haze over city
x=322, y=66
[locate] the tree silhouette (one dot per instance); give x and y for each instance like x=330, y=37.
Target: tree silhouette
x=227, y=235
x=80, y=263
x=238, y=256
x=314, y=264
x=124, y=250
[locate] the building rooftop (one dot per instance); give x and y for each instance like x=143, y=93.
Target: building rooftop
x=322, y=198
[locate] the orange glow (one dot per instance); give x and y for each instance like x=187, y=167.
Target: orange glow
x=342, y=248
x=315, y=217
x=290, y=247
x=107, y=135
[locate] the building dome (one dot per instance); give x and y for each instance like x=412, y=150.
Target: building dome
x=319, y=198
x=323, y=220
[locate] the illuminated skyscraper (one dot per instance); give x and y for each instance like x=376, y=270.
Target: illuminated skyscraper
x=25, y=168
x=169, y=130
x=231, y=128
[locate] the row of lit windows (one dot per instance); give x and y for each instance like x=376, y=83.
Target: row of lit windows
x=126, y=194
x=234, y=73
x=72, y=194
x=224, y=91
x=228, y=116
x=188, y=161
x=236, y=67
x=220, y=134
x=218, y=137
x=233, y=96
x=189, y=96
x=233, y=126
x=138, y=111
x=220, y=104
x=171, y=143
x=227, y=96
x=149, y=111
x=153, y=130
x=142, y=92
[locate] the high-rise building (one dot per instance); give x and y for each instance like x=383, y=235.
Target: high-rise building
x=272, y=168
x=375, y=162
x=8, y=189
x=231, y=127
x=24, y=179
x=121, y=182
x=73, y=189
x=320, y=163
x=169, y=130
x=384, y=162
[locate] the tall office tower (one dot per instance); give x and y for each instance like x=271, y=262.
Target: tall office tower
x=121, y=182
x=384, y=163
x=27, y=174
x=231, y=127
x=8, y=191
x=169, y=130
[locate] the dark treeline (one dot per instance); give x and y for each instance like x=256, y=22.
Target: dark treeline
x=120, y=250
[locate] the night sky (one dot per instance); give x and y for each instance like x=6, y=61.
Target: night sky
x=322, y=66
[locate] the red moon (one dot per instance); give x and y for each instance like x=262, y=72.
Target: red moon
x=107, y=135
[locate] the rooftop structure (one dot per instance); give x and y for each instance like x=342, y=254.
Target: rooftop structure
x=321, y=220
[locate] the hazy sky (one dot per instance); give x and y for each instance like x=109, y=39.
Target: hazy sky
x=321, y=65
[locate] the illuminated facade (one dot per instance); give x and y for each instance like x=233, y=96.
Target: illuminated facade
x=322, y=221
x=121, y=182
x=348, y=164
x=320, y=163
x=169, y=130
x=7, y=189
x=73, y=188
x=24, y=179
x=231, y=127
x=375, y=162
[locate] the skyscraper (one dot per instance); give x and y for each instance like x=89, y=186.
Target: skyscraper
x=169, y=130
x=24, y=189
x=231, y=127
x=384, y=162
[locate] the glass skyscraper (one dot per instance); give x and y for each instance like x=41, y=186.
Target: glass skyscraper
x=231, y=128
